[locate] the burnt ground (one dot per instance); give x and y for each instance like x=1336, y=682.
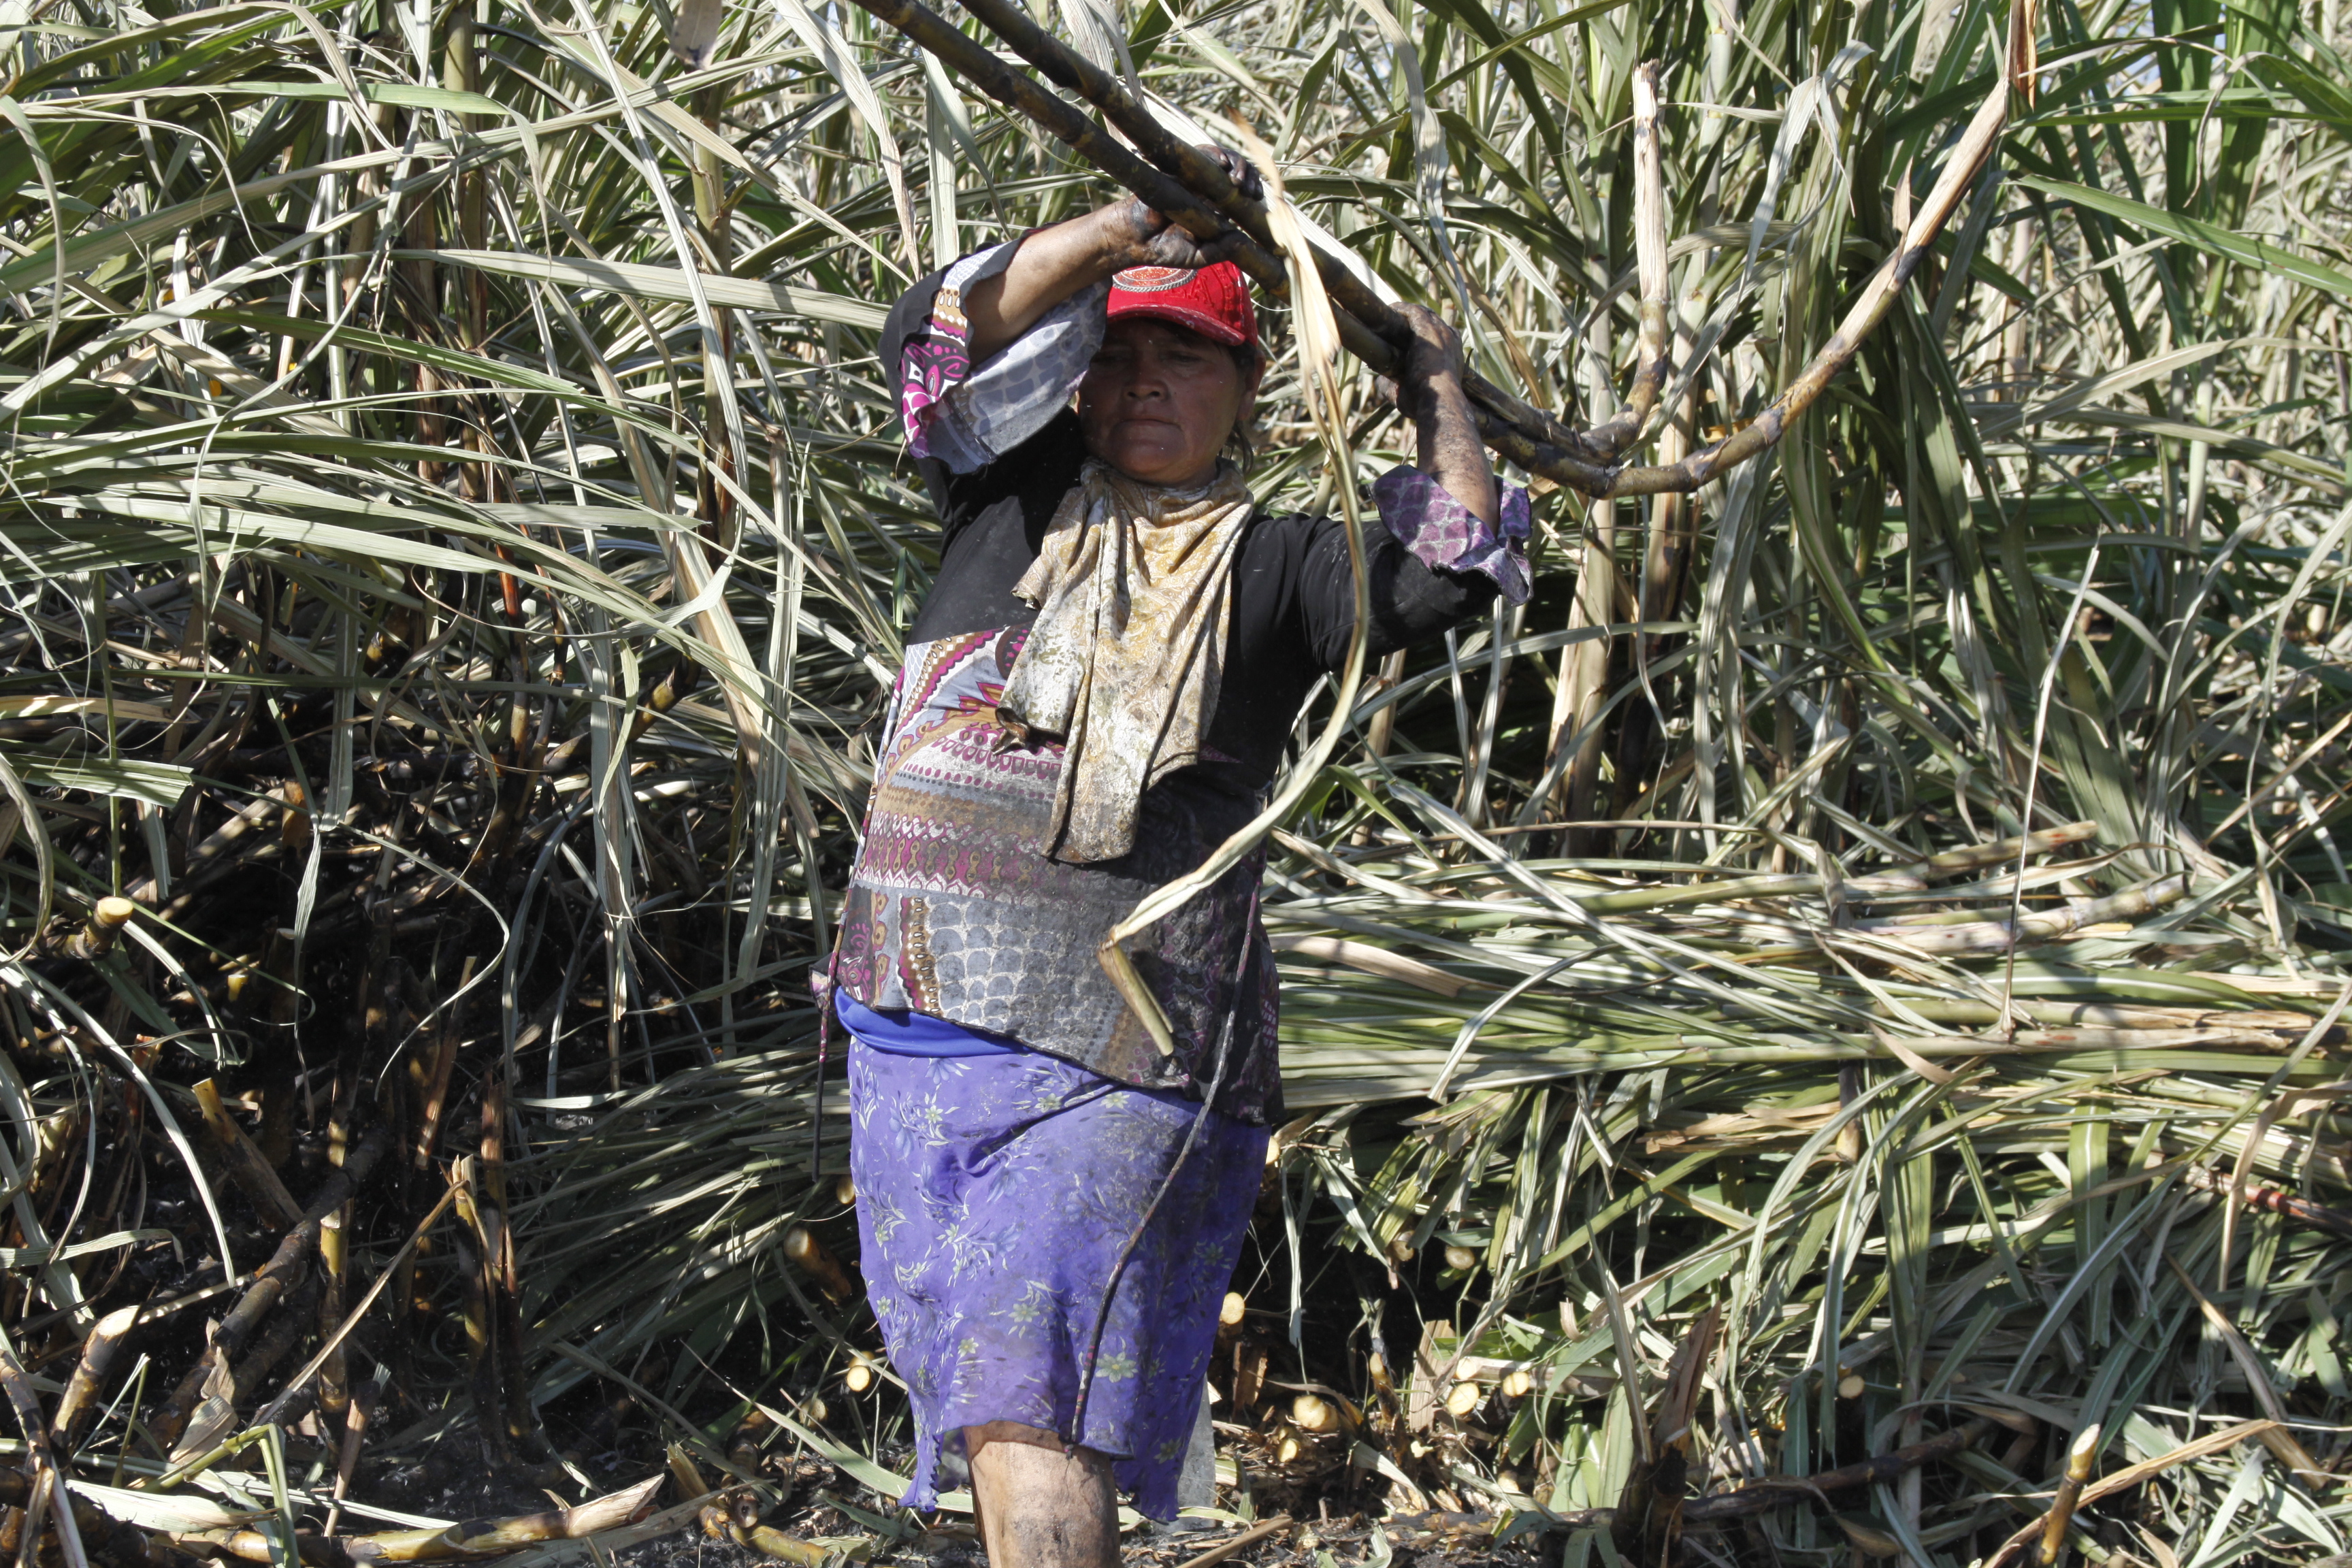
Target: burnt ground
x=1326, y=1543
x=824, y=1507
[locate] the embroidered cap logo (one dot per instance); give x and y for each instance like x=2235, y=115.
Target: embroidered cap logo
x=1151, y=279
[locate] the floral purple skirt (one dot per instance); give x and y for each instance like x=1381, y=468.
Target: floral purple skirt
x=994, y=1195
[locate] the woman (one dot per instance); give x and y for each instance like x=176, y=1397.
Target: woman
x=1096, y=692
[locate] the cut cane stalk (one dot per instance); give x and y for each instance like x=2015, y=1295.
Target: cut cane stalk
x=1533, y=442
x=1246, y=1538
x=246, y=1165
x=474, y=1539
x=1533, y=449
x=1760, y=1497
x=1249, y=1376
x=383, y=1277
x=2131, y=1476
x=1311, y=1413
x=1614, y=436
x=1206, y=178
x=46, y=1485
x=814, y=1259
x=77, y=1407
x=275, y=1278
x=2084, y=1449
x=107, y=918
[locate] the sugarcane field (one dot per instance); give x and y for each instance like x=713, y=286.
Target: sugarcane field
x=1318, y=784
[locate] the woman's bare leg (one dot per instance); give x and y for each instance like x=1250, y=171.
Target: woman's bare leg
x=1037, y=1506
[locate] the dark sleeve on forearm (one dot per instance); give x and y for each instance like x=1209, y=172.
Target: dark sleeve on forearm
x=1411, y=603
x=906, y=318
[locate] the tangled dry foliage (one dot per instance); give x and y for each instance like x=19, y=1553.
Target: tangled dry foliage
x=457, y=545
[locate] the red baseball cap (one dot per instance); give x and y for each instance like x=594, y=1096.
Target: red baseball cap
x=1213, y=301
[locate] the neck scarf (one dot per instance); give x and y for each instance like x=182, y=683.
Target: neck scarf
x=1131, y=585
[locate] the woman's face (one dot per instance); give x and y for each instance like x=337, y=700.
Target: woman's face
x=1159, y=401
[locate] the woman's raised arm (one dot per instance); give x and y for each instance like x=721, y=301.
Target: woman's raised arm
x=1054, y=263
x=1446, y=443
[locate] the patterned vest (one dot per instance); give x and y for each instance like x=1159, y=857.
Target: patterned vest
x=954, y=911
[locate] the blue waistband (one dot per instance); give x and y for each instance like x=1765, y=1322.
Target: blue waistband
x=910, y=1033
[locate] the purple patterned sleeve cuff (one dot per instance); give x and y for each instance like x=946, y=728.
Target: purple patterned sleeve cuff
x=1444, y=535
x=935, y=360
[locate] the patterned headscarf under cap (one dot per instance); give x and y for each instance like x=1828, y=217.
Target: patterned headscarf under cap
x=1131, y=585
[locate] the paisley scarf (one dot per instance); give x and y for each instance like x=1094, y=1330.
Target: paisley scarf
x=1131, y=585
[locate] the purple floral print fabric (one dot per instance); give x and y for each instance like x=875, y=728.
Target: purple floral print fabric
x=1426, y=519
x=993, y=1196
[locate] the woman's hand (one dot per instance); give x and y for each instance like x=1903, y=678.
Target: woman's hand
x=1150, y=238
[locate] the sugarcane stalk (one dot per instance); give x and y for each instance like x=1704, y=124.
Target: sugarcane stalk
x=1653, y=360
x=772, y=1543
x=1163, y=194
x=2278, y=1027
x=220, y=850
x=96, y=938
x=1206, y=177
x=77, y=1407
x=281, y=1274
x=816, y=1260
x=2286, y=1206
x=246, y=1166
x=334, y=1265
x=1261, y=1531
x=1877, y=297
x=1998, y=936
x=473, y=1539
x=284, y=1330
x=395, y=1270
x=256, y=1546
x=1651, y=1506
x=1189, y=213
x=2086, y=1448
x=1584, y=666
x=46, y=1486
x=2001, y=851
x=2136, y=1475
x=110, y=1540
x=275, y=1278
x=356, y=1414
x=481, y=1345
x=502, y=1272
x=435, y=1086
x=1523, y=434
x=1761, y=1497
